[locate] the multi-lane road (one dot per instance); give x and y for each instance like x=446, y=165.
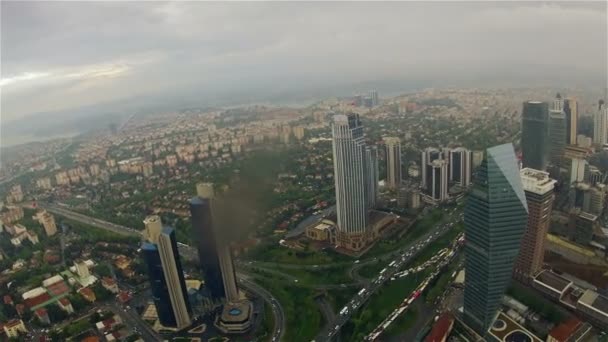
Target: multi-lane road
x=186, y=252
x=385, y=275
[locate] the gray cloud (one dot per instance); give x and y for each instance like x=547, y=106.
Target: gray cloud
x=81, y=53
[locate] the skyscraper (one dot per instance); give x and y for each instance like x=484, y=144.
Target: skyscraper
x=538, y=188
x=355, y=176
x=436, y=181
x=558, y=103
x=393, y=162
x=534, y=134
x=495, y=218
x=167, y=280
x=600, y=126
x=557, y=136
x=460, y=166
x=373, y=95
x=205, y=237
x=153, y=228
x=214, y=254
x=571, y=110
x=428, y=156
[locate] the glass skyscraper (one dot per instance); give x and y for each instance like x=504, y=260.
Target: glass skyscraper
x=535, y=135
x=495, y=219
x=167, y=282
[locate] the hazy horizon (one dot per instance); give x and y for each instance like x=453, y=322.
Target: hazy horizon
x=63, y=62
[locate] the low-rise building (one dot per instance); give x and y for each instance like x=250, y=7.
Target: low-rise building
x=42, y=315
x=572, y=330
x=109, y=284
x=87, y=294
x=66, y=305
x=14, y=327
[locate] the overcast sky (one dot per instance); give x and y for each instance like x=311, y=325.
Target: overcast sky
x=62, y=55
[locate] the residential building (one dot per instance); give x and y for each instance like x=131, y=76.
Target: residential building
x=48, y=222
x=495, y=218
x=14, y=327
x=534, y=135
x=393, y=162
x=557, y=136
x=538, y=188
x=65, y=305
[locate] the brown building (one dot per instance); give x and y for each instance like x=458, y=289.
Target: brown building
x=538, y=188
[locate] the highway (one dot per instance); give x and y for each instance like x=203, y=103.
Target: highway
x=186, y=252
x=385, y=275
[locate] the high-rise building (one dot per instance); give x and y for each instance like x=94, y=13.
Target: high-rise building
x=570, y=107
x=538, y=188
x=437, y=181
x=428, y=156
x=48, y=222
x=153, y=226
x=598, y=199
x=578, y=169
x=205, y=237
x=393, y=162
x=495, y=218
x=558, y=103
x=355, y=176
x=460, y=166
x=557, y=136
x=582, y=225
x=214, y=254
x=534, y=134
x=373, y=95
x=167, y=282
x=600, y=126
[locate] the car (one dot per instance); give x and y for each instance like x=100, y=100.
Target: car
x=357, y=261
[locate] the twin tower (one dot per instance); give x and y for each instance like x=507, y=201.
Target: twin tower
x=161, y=255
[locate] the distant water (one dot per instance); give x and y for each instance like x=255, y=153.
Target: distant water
x=7, y=139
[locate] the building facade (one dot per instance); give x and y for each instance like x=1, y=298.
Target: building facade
x=428, y=156
x=538, y=188
x=205, y=237
x=600, y=126
x=437, y=181
x=355, y=176
x=557, y=136
x=570, y=107
x=495, y=218
x=460, y=166
x=167, y=282
x=534, y=135
x=393, y=162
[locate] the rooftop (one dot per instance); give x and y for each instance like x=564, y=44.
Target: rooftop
x=596, y=301
x=536, y=181
x=505, y=329
x=553, y=281
x=441, y=328
x=567, y=329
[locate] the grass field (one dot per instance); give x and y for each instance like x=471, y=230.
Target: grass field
x=336, y=275
x=303, y=318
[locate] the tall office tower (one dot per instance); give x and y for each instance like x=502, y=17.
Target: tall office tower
x=437, y=181
x=534, y=134
x=393, y=162
x=558, y=103
x=371, y=176
x=538, y=188
x=600, y=127
x=571, y=110
x=428, y=156
x=495, y=219
x=167, y=280
x=598, y=199
x=460, y=166
x=153, y=228
x=214, y=255
x=373, y=95
x=354, y=174
x=557, y=136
